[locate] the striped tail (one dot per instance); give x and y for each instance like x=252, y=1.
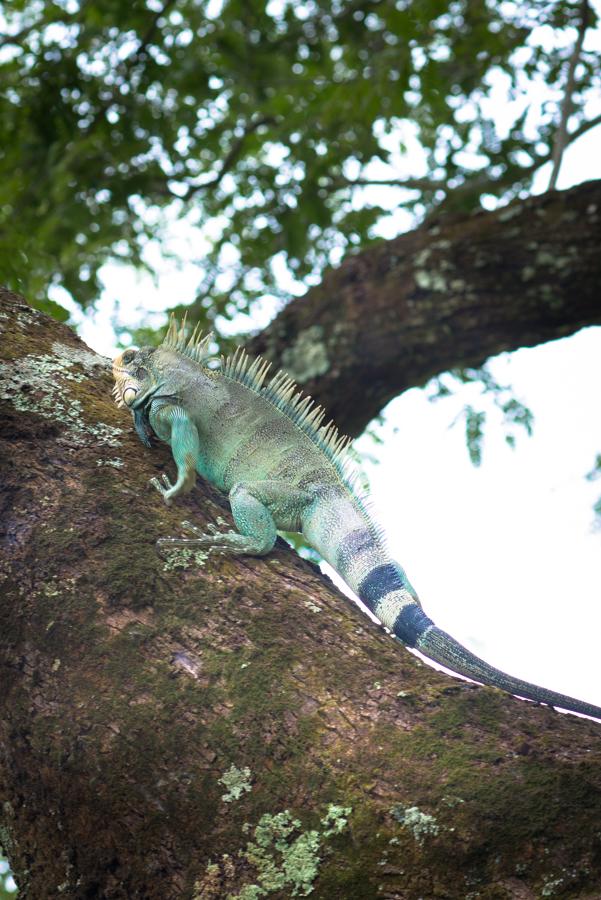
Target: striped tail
x=384, y=588
x=386, y=591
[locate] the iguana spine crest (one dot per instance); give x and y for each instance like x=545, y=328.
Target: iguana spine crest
x=196, y=347
x=283, y=393
x=280, y=390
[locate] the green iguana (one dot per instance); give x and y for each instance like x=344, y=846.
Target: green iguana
x=262, y=442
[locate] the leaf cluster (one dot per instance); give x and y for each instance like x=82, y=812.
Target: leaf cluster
x=7, y=890
x=261, y=123
x=514, y=413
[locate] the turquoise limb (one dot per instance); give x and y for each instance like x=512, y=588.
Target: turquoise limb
x=259, y=509
x=172, y=423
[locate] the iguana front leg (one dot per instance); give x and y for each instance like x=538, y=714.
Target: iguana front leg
x=259, y=509
x=172, y=424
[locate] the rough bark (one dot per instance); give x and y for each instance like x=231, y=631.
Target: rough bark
x=447, y=295
x=130, y=687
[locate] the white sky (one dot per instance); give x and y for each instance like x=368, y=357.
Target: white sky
x=504, y=557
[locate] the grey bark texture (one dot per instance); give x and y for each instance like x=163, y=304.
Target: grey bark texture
x=449, y=294
x=234, y=728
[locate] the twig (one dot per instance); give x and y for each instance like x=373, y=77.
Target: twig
x=560, y=142
x=145, y=40
x=416, y=184
x=477, y=183
x=231, y=158
x=17, y=39
x=481, y=180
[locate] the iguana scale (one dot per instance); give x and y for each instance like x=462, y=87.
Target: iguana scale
x=262, y=442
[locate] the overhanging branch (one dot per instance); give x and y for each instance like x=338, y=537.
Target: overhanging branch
x=450, y=294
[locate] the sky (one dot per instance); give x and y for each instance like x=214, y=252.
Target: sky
x=505, y=557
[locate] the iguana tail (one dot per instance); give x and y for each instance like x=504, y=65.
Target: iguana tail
x=439, y=646
x=383, y=587
x=413, y=627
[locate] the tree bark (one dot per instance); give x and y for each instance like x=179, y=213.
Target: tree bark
x=235, y=728
x=447, y=295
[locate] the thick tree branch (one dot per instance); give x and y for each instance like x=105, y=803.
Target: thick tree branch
x=449, y=294
x=154, y=714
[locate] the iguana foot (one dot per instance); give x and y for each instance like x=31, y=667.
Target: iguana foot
x=229, y=542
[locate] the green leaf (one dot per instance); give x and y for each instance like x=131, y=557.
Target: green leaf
x=474, y=433
x=52, y=309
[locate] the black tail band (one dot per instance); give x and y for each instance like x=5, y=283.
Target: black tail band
x=380, y=581
x=410, y=624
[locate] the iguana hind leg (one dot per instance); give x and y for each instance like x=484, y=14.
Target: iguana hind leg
x=259, y=509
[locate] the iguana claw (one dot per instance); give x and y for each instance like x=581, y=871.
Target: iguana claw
x=163, y=488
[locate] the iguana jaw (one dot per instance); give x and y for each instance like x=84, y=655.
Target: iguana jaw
x=124, y=395
x=126, y=388
x=134, y=381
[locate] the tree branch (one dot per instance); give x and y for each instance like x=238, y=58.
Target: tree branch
x=450, y=294
x=40, y=24
x=417, y=184
x=145, y=39
x=231, y=157
x=478, y=181
x=165, y=725
x=16, y=39
x=561, y=136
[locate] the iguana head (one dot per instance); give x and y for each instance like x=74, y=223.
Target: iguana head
x=141, y=374
x=134, y=376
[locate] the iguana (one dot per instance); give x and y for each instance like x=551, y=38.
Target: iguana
x=261, y=441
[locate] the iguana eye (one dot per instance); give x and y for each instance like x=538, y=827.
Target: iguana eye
x=128, y=356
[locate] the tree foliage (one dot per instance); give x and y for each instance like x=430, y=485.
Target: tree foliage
x=514, y=413
x=261, y=124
